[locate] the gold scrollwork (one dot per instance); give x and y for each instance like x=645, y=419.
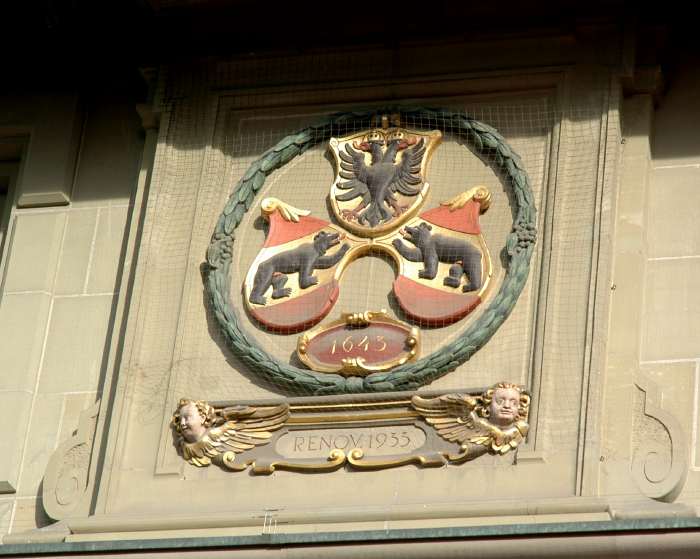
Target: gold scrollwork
x=336, y=458
x=358, y=365
x=356, y=458
x=493, y=421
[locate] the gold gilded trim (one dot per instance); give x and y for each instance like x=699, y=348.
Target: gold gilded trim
x=336, y=458
x=365, y=418
x=356, y=459
x=456, y=428
x=358, y=365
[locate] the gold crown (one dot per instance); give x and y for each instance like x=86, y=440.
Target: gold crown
x=375, y=136
x=396, y=134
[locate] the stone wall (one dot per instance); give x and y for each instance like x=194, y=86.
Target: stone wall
x=60, y=279
x=61, y=270
x=670, y=326
x=654, y=347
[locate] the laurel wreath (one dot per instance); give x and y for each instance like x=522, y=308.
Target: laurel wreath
x=485, y=141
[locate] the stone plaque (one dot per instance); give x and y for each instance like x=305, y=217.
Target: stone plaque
x=305, y=436
x=373, y=441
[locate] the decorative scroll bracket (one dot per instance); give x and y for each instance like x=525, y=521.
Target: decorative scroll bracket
x=67, y=474
x=656, y=479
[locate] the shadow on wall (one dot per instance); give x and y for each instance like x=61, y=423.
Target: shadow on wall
x=675, y=132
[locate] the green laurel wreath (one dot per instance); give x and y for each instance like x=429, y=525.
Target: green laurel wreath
x=484, y=140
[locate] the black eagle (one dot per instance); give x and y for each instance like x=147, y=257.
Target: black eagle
x=379, y=183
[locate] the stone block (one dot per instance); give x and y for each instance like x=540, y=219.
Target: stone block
x=43, y=436
x=49, y=167
x=22, y=330
x=625, y=309
x=29, y=514
x=75, y=255
x=15, y=407
x=5, y=515
x=109, y=159
x=674, y=199
x=676, y=382
x=676, y=140
x=636, y=124
x=107, y=250
x=671, y=310
x=74, y=406
x=75, y=346
x=34, y=250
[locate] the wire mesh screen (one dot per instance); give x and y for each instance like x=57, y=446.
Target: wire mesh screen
x=208, y=142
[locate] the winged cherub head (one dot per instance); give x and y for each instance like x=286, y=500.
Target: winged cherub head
x=505, y=403
x=192, y=419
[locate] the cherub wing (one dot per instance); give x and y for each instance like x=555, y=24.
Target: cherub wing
x=245, y=428
x=354, y=170
x=407, y=175
x=498, y=440
x=249, y=426
x=450, y=415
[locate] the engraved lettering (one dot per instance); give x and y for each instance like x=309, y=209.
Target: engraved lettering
x=374, y=441
x=347, y=344
x=364, y=342
x=381, y=343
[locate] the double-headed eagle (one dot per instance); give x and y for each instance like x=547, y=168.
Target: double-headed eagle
x=379, y=183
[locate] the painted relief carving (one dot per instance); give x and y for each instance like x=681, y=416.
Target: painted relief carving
x=495, y=422
x=380, y=179
x=443, y=262
x=359, y=343
x=319, y=437
x=205, y=435
x=294, y=281
x=443, y=265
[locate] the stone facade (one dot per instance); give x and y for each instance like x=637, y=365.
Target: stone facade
x=61, y=276
x=104, y=323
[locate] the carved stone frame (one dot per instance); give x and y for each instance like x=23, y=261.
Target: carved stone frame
x=561, y=84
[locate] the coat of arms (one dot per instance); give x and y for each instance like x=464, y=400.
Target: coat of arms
x=380, y=178
x=442, y=259
x=379, y=201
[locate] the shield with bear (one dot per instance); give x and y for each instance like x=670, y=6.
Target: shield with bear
x=294, y=280
x=444, y=265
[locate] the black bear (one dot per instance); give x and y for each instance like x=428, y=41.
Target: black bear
x=303, y=259
x=433, y=248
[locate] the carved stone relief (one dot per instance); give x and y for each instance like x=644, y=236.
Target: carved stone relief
x=659, y=457
x=400, y=432
x=66, y=480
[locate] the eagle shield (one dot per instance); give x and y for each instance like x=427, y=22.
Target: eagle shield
x=380, y=179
